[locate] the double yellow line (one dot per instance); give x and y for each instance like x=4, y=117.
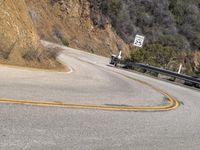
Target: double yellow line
x=172, y=103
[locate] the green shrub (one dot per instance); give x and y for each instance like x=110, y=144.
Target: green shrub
x=114, y=7
x=155, y=54
x=178, y=7
x=196, y=40
x=65, y=42
x=177, y=41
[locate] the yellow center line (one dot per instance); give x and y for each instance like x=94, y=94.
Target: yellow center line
x=172, y=103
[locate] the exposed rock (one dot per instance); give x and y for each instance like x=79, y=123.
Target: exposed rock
x=17, y=32
x=70, y=20
x=19, y=41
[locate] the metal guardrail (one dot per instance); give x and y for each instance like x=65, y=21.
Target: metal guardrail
x=186, y=78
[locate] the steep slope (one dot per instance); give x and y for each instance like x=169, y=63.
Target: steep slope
x=173, y=26
x=19, y=42
x=168, y=22
x=69, y=22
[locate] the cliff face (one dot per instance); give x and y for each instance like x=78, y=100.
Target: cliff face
x=17, y=32
x=69, y=22
x=19, y=41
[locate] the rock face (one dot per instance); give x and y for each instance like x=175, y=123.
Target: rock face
x=69, y=22
x=19, y=41
x=17, y=32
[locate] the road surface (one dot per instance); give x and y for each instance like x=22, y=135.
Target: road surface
x=92, y=81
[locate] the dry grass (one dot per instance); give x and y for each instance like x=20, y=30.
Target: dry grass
x=19, y=43
x=46, y=59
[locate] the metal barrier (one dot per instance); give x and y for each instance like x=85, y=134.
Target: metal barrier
x=186, y=78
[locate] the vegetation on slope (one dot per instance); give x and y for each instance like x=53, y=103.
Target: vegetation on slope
x=168, y=22
x=167, y=25
x=168, y=58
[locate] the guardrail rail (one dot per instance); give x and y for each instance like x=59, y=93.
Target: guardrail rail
x=188, y=79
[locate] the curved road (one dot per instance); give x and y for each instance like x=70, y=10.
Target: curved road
x=93, y=82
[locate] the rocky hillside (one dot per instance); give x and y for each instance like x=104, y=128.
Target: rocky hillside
x=19, y=42
x=173, y=26
x=69, y=22
x=168, y=22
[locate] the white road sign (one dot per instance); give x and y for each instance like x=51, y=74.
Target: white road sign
x=139, y=40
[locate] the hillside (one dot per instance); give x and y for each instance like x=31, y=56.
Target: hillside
x=168, y=22
x=19, y=42
x=173, y=26
x=106, y=26
x=69, y=22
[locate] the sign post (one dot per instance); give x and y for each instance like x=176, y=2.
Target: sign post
x=180, y=68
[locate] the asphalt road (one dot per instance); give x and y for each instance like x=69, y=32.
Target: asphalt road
x=26, y=127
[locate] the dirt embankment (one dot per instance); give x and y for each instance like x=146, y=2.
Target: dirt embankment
x=69, y=22
x=19, y=42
